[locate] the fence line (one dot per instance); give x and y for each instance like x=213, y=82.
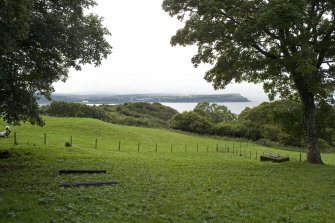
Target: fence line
x=225, y=147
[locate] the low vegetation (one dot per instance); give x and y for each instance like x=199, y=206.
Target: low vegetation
x=270, y=123
x=142, y=114
x=163, y=186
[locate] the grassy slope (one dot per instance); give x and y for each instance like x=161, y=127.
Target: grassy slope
x=155, y=187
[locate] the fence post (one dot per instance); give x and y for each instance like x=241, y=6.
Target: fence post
x=15, y=141
x=138, y=146
x=96, y=144
x=171, y=147
x=156, y=148
x=207, y=148
x=45, y=138
x=70, y=141
x=119, y=145
x=300, y=157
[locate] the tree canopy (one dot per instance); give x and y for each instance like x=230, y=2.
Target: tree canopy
x=214, y=112
x=40, y=41
x=288, y=45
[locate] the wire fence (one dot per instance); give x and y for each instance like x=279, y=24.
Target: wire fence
x=242, y=149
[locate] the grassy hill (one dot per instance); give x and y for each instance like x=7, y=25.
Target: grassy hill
x=199, y=185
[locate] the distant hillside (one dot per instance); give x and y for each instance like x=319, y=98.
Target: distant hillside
x=118, y=99
x=132, y=113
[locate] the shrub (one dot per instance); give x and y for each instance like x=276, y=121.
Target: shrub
x=192, y=122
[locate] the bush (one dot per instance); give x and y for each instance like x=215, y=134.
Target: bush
x=229, y=129
x=324, y=146
x=192, y=122
x=268, y=143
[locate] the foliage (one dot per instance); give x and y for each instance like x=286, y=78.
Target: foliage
x=155, y=186
x=135, y=114
x=63, y=109
x=261, y=41
x=40, y=41
x=192, y=122
x=278, y=121
x=289, y=46
x=203, y=118
x=214, y=112
x=151, y=109
x=325, y=117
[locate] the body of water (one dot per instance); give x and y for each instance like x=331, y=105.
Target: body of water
x=235, y=107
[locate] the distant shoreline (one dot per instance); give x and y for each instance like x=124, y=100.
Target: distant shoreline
x=119, y=99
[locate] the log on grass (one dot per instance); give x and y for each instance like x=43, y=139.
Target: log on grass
x=89, y=184
x=81, y=171
x=276, y=159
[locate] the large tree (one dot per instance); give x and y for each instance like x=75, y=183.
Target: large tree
x=289, y=45
x=40, y=41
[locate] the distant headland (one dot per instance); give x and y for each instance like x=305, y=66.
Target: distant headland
x=118, y=99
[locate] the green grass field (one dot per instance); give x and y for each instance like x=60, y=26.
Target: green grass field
x=199, y=185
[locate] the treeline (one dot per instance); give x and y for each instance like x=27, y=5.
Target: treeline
x=271, y=124
x=135, y=114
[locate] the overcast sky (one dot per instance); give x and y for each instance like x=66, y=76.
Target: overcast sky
x=143, y=61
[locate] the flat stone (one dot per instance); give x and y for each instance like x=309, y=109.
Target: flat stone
x=276, y=159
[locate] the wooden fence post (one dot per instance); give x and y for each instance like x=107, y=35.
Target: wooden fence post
x=138, y=146
x=156, y=148
x=15, y=141
x=70, y=141
x=45, y=138
x=119, y=145
x=96, y=144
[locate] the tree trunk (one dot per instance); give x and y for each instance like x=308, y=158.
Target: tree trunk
x=309, y=126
